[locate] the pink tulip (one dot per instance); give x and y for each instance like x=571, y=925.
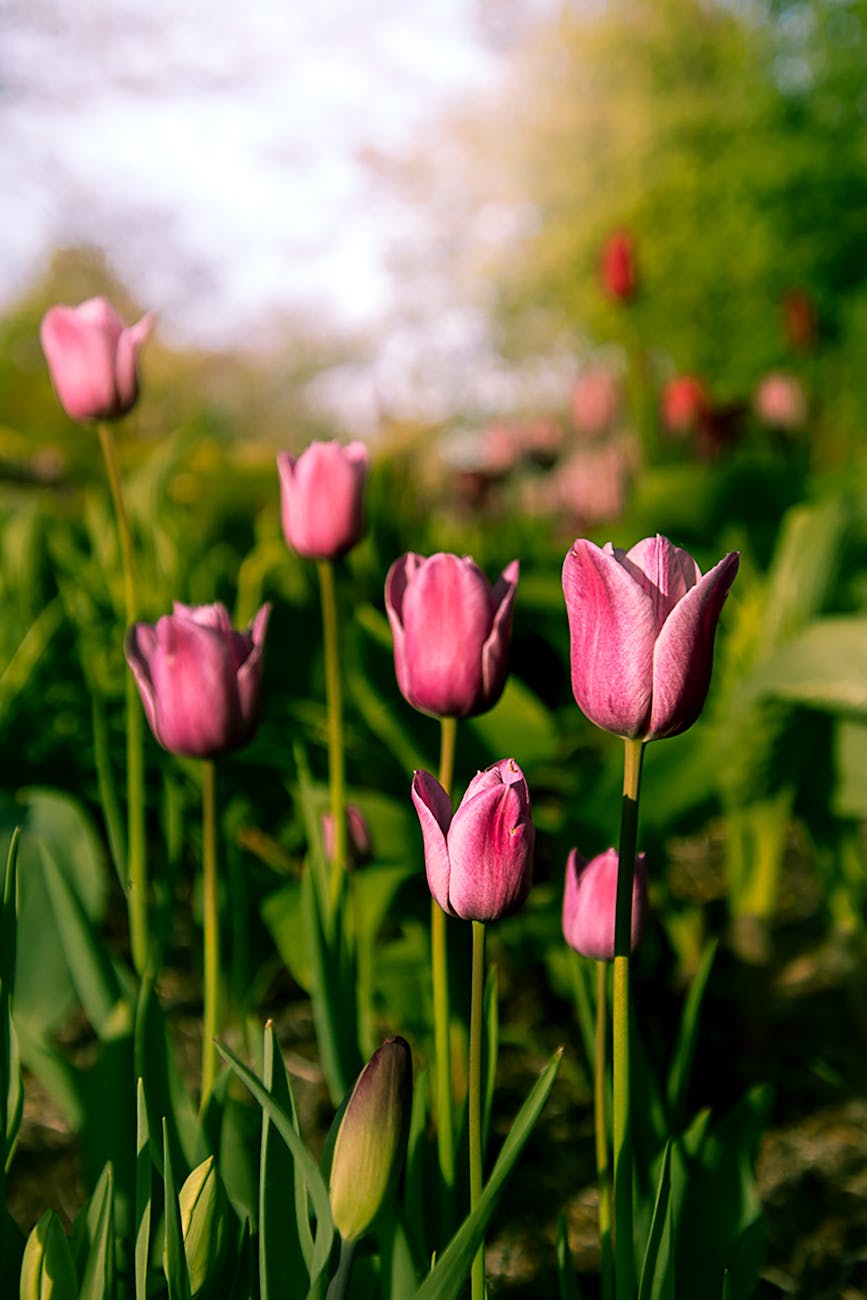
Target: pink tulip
x=685, y=404
x=617, y=268
x=642, y=626
x=92, y=358
x=451, y=632
x=780, y=402
x=199, y=680
x=322, y=498
x=589, y=903
x=595, y=403
x=479, y=862
x=359, y=846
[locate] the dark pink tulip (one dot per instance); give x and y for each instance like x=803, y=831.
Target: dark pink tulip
x=451, y=632
x=642, y=626
x=322, y=498
x=92, y=358
x=359, y=846
x=479, y=862
x=589, y=903
x=685, y=404
x=199, y=680
x=617, y=268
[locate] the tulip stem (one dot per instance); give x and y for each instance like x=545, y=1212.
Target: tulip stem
x=340, y=1282
x=211, y=925
x=334, y=698
x=474, y=1117
x=624, y=1249
x=440, y=980
x=603, y=1173
x=137, y=858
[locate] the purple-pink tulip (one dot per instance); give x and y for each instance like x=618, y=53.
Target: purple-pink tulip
x=479, y=861
x=589, y=903
x=642, y=626
x=451, y=632
x=199, y=680
x=92, y=358
x=322, y=498
x=359, y=845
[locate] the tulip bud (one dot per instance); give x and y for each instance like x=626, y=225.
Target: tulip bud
x=479, y=862
x=642, y=626
x=92, y=358
x=451, y=632
x=590, y=903
x=618, y=266
x=685, y=404
x=780, y=402
x=322, y=498
x=199, y=680
x=202, y=1204
x=371, y=1142
x=47, y=1269
x=359, y=846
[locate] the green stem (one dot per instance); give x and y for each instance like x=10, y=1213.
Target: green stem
x=474, y=1117
x=340, y=1282
x=440, y=980
x=334, y=698
x=137, y=886
x=211, y=924
x=603, y=1173
x=624, y=1249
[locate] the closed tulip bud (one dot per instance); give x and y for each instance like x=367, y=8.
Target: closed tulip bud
x=322, y=498
x=589, y=903
x=92, y=358
x=359, y=846
x=199, y=680
x=47, y=1269
x=685, y=404
x=617, y=267
x=371, y=1142
x=642, y=625
x=479, y=861
x=202, y=1204
x=451, y=632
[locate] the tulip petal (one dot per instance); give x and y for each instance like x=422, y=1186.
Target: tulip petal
x=490, y=846
x=395, y=588
x=80, y=357
x=663, y=570
x=447, y=618
x=249, y=670
x=495, y=652
x=683, y=656
x=197, y=706
x=126, y=374
x=612, y=628
x=434, y=810
x=139, y=646
x=322, y=498
x=590, y=903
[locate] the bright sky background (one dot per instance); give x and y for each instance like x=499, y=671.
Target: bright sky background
x=217, y=150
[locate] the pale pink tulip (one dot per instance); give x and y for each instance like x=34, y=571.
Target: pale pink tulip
x=322, y=498
x=92, y=358
x=589, y=903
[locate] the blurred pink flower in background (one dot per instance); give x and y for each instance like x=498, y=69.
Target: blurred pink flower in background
x=359, y=845
x=91, y=356
x=592, y=483
x=685, y=404
x=617, y=266
x=595, y=402
x=322, y=498
x=781, y=402
x=500, y=448
x=589, y=903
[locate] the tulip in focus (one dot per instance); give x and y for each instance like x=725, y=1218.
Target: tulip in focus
x=359, y=846
x=322, y=498
x=371, y=1142
x=595, y=403
x=451, y=632
x=780, y=402
x=685, y=404
x=479, y=861
x=617, y=266
x=589, y=903
x=92, y=358
x=642, y=626
x=199, y=680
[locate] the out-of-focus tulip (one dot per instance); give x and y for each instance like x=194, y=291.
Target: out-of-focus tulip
x=322, y=498
x=589, y=903
x=500, y=448
x=617, y=266
x=595, y=403
x=359, y=846
x=685, y=404
x=479, y=861
x=92, y=358
x=199, y=680
x=371, y=1142
x=642, y=626
x=451, y=632
x=800, y=324
x=592, y=483
x=780, y=401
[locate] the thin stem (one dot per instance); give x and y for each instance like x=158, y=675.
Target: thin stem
x=624, y=1249
x=137, y=886
x=440, y=980
x=334, y=699
x=474, y=1117
x=339, y=1283
x=211, y=922
x=600, y=1117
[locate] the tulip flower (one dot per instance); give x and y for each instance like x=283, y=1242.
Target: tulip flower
x=589, y=903
x=642, y=626
x=780, y=402
x=595, y=402
x=618, y=266
x=92, y=358
x=451, y=632
x=199, y=680
x=685, y=404
x=479, y=861
x=371, y=1142
x=359, y=846
x=322, y=498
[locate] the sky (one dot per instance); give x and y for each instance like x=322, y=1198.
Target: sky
x=220, y=153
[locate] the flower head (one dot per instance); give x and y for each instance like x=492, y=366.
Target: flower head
x=92, y=358
x=322, y=498
x=619, y=277
x=589, y=903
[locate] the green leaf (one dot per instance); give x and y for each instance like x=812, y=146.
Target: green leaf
x=453, y=1266
x=519, y=724
x=284, y=914
x=48, y=1270
x=165, y=1094
x=108, y=792
x=174, y=1257
x=333, y=997
x=143, y=1173
x=414, y=1178
x=567, y=1278
x=684, y=1052
x=93, y=1241
x=657, y=1270
x=824, y=667
x=285, y=1239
